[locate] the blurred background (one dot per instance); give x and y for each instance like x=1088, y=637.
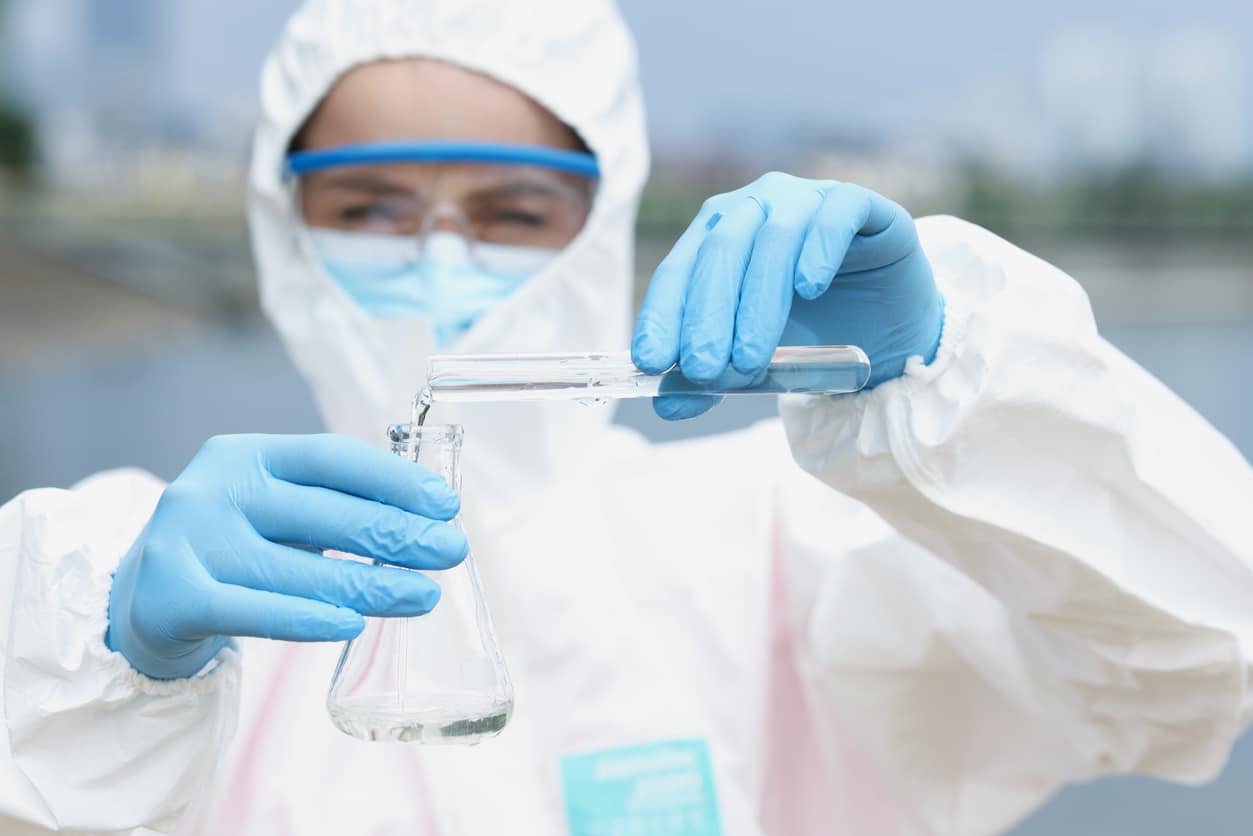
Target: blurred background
x=1114, y=139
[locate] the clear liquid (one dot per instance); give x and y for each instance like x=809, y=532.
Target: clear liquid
x=421, y=406
x=461, y=719
x=592, y=378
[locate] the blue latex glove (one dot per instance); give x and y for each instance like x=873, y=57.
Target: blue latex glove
x=220, y=556
x=787, y=261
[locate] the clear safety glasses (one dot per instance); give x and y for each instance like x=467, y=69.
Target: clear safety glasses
x=489, y=193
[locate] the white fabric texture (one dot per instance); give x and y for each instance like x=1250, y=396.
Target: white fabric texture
x=79, y=719
x=1024, y=564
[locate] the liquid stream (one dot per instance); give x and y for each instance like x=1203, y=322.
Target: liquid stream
x=421, y=406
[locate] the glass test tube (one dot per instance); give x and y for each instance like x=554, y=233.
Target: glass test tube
x=823, y=370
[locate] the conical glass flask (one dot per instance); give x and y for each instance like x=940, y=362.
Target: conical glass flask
x=436, y=678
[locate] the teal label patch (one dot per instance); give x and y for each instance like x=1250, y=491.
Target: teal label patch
x=658, y=789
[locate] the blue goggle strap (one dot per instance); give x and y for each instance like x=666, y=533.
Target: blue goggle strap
x=573, y=162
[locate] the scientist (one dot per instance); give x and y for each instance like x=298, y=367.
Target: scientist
x=1016, y=560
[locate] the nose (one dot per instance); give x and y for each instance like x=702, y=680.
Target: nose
x=446, y=217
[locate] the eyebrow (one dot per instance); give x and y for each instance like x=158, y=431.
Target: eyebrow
x=363, y=182
x=372, y=183
x=516, y=188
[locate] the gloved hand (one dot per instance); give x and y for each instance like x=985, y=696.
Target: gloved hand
x=219, y=557
x=787, y=261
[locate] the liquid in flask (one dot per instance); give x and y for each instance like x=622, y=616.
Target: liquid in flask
x=434, y=678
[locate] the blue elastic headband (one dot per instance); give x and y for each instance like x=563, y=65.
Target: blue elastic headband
x=575, y=162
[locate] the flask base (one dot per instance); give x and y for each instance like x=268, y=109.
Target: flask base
x=461, y=721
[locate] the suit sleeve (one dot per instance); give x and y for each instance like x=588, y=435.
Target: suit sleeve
x=1065, y=586
x=91, y=745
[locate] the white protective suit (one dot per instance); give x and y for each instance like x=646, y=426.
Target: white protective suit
x=1024, y=564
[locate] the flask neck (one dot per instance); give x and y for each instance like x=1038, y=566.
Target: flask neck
x=437, y=447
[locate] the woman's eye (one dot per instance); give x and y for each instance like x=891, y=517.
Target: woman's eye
x=366, y=212
x=520, y=217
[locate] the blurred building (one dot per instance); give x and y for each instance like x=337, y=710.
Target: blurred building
x=95, y=75
x=920, y=177
x=1102, y=100
x=1091, y=99
x=1196, y=92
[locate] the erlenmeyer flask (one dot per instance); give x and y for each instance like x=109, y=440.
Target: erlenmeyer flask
x=436, y=678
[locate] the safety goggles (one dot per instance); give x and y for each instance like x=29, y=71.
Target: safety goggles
x=490, y=193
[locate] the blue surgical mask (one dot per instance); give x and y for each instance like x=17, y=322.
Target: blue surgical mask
x=392, y=276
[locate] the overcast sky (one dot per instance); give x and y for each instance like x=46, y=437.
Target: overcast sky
x=713, y=67
x=877, y=63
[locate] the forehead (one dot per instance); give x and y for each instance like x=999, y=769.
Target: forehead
x=423, y=99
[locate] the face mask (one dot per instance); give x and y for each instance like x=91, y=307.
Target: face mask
x=393, y=277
